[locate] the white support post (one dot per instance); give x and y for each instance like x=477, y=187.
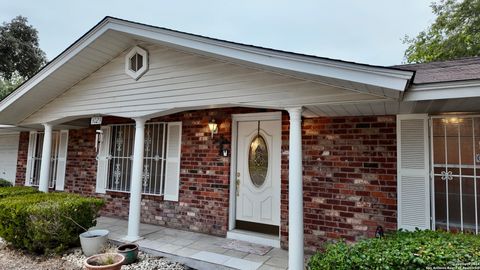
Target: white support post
x=136, y=182
x=295, y=192
x=46, y=158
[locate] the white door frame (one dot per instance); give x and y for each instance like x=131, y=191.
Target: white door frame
x=233, y=161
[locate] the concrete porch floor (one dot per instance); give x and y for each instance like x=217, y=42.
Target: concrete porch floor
x=197, y=250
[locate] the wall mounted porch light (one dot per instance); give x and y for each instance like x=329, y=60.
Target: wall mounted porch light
x=452, y=120
x=213, y=127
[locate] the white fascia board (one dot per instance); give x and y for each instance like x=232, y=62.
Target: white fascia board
x=447, y=90
x=55, y=64
x=378, y=76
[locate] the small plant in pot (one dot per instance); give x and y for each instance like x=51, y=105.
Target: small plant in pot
x=130, y=251
x=106, y=261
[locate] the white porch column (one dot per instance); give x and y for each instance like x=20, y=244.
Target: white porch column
x=295, y=192
x=46, y=158
x=136, y=182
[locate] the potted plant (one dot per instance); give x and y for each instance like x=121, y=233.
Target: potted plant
x=93, y=241
x=130, y=251
x=106, y=261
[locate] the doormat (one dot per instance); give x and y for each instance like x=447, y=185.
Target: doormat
x=246, y=247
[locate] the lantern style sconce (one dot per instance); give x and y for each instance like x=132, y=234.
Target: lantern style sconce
x=212, y=125
x=223, y=151
x=379, y=232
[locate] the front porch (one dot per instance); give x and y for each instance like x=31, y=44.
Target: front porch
x=185, y=83
x=198, y=250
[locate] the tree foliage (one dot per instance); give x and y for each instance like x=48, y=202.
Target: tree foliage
x=19, y=50
x=7, y=86
x=455, y=33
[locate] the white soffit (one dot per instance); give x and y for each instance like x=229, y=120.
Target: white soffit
x=77, y=62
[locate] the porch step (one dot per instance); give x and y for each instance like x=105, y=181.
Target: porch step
x=254, y=237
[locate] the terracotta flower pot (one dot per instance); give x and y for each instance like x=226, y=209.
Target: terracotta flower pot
x=106, y=261
x=130, y=251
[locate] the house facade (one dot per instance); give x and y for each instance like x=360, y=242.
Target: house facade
x=249, y=143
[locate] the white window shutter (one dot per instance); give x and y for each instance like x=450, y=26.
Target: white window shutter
x=103, y=159
x=172, y=168
x=413, y=192
x=32, y=143
x=62, y=160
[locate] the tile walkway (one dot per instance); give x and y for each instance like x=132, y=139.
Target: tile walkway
x=197, y=250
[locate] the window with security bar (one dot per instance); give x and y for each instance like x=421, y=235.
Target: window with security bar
x=121, y=158
x=36, y=158
x=456, y=173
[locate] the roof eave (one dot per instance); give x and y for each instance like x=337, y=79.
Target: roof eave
x=56, y=63
x=389, y=78
x=443, y=90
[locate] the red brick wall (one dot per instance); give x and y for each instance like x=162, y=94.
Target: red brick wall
x=81, y=170
x=349, y=176
x=204, y=177
x=349, y=167
x=22, y=158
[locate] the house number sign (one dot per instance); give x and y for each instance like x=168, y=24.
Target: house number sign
x=96, y=120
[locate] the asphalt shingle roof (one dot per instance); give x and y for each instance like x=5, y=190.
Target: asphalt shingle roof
x=445, y=71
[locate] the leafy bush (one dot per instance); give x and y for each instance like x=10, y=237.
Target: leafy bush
x=5, y=183
x=46, y=222
x=402, y=250
x=15, y=191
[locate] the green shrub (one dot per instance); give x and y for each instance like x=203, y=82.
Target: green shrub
x=5, y=183
x=15, y=191
x=46, y=223
x=402, y=250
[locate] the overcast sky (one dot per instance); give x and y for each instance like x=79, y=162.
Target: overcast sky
x=365, y=31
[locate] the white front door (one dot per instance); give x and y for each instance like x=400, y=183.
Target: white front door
x=258, y=172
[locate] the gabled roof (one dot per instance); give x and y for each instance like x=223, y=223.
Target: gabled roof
x=112, y=36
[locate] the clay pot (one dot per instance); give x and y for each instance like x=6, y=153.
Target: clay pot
x=106, y=261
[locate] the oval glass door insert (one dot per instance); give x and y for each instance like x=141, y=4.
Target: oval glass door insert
x=258, y=161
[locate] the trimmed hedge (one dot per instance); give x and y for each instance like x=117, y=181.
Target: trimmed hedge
x=46, y=222
x=5, y=183
x=402, y=250
x=15, y=191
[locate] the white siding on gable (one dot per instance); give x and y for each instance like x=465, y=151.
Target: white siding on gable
x=413, y=193
x=177, y=79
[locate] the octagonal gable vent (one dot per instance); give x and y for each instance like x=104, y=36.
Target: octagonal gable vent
x=136, y=62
